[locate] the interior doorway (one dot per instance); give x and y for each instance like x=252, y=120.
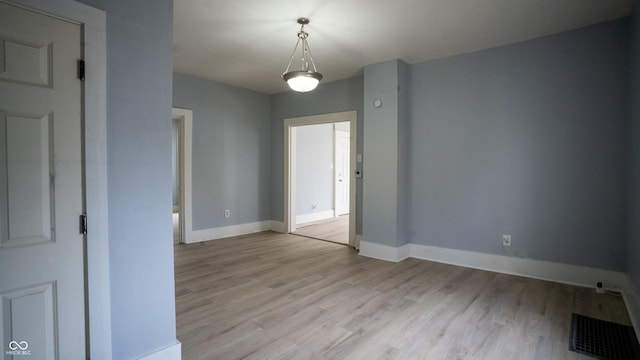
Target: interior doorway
x=321, y=171
x=297, y=221
x=182, y=128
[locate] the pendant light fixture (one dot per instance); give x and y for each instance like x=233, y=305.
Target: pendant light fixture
x=308, y=77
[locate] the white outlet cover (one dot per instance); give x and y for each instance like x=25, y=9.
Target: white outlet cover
x=506, y=240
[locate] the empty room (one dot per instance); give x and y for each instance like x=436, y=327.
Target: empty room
x=319, y=180
x=492, y=177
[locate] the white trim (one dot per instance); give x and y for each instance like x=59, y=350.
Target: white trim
x=95, y=164
x=357, y=242
x=632, y=302
x=314, y=216
x=277, y=226
x=229, y=231
x=289, y=179
x=292, y=162
x=173, y=352
x=353, y=185
x=383, y=252
x=537, y=269
x=185, y=117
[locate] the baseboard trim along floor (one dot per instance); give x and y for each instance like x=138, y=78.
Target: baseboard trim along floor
x=173, y=352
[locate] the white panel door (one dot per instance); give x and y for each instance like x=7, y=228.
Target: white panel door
x=342, y=172
x=42, y=313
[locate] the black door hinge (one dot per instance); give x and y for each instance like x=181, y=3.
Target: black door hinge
x=83, y=224
x=81, y=70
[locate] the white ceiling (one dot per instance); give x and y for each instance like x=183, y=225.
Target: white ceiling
x=247, y=43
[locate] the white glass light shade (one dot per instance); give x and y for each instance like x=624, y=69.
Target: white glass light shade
x=302, y=81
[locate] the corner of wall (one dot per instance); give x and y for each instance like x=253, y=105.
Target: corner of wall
x=227, y=231
x=384, y=252
x=173, y=352
x=632, y=302
x=277, y=226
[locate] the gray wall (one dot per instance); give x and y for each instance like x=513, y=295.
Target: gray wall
x=382, y=166
x=528, y=140
x=231, y=151
x=139, y=68
x=314, y=175
x=344, y=95
x=633, y=245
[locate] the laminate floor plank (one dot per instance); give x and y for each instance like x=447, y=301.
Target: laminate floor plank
x=279, y=296
x=334, y=229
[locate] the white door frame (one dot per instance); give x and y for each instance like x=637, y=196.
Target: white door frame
x=289, y=165
x=95, y=165
x=185, y=119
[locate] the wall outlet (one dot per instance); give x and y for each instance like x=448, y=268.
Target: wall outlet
x=227, y=213
x=506, y=240
x=314, y=207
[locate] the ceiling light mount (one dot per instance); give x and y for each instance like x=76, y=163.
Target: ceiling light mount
x=308, y=77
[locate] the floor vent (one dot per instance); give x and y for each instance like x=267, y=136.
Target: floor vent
x=603, y=339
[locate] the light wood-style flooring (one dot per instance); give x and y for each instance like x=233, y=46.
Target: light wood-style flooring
x=335, y=230
x=279, y=296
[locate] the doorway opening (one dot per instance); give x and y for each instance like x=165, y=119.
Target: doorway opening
x=182, y=125
x=321, y=153
x=320, y=176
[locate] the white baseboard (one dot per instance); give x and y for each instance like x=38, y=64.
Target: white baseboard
x=228, y=231
x=383, y=252
x=632, y=302
x=537, y=269
x=314, y=216
x=277, y=226
x=173, y=352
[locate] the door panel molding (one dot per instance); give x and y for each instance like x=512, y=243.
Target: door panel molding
x=21, y=306
x=26, y=159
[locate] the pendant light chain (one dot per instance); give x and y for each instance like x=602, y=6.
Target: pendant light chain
x=308, y=51
x=293, y=53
